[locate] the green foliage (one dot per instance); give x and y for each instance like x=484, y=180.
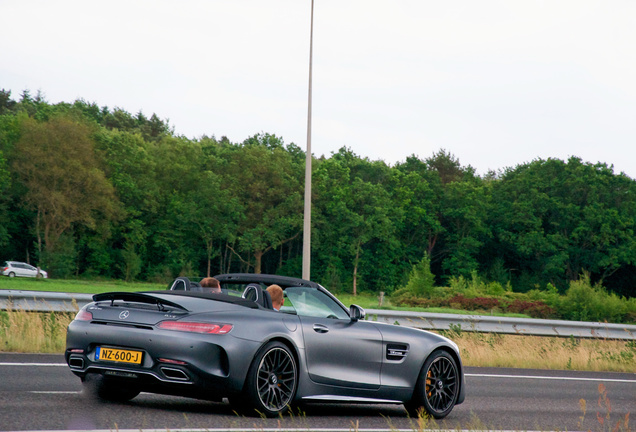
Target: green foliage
x=421, y=279
x=585, y=301
x=100, y=192
x=62, y=262
x=476, y=286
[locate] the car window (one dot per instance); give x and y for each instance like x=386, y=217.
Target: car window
x=314, y=303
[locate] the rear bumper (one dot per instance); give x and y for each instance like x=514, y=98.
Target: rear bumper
x=172, y=362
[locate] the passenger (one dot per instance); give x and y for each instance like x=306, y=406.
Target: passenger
x=276, y=293
x=213, y=284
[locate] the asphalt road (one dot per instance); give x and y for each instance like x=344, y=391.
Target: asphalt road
x=38, y=392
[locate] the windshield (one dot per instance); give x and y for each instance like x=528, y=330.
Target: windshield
x=314, y=303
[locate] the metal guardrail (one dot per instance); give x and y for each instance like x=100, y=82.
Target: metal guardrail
x=494, y=324
x=43, y=301
x=39, y=301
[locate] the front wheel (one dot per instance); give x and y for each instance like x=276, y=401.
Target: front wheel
x=272, y=380
x=437, y=387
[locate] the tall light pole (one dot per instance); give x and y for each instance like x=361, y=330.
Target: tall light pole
x=307, y=216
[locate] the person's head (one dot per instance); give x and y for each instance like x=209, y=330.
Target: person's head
x=210, y=282
x=276, y=293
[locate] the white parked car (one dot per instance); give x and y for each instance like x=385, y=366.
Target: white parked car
x=15, y=268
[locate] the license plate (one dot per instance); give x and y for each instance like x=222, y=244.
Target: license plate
x=118, y=355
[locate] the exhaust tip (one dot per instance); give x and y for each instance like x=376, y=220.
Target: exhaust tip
x=76, y=362
x=175, y=374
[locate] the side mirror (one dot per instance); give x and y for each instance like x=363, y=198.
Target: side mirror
x=356, y=313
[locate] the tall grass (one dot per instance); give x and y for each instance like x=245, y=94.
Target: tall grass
x=33, y=332
x=537, y=352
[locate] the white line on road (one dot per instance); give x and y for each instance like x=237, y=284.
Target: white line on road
x=33, y=364
x=550, y=378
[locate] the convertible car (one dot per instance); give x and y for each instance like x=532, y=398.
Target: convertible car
x=190, y=341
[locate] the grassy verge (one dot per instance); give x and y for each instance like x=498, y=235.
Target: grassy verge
x=75, y=286
x=537, y=352
x=22, y=331
x=33, y=332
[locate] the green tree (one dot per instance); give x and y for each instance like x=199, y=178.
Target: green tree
x=266, y=179
x=63, y=180
x=555, y=219
x=352, y=213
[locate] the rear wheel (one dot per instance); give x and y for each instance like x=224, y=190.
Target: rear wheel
x=271, y=381
x=437, y=388
x=11, y=274
x=99, y=387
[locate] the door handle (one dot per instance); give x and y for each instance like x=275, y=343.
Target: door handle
x=319, y=328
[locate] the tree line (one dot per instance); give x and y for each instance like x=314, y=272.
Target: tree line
x=89, y=191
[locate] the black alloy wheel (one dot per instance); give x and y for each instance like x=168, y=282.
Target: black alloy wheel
x=438, y=386
x=272, y=379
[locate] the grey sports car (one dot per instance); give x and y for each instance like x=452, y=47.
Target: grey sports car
x=192, y=342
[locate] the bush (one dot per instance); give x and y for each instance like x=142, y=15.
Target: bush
x=535, y=309
x=476, y=303
x=476, y=287
x=586, y=302
x=421, y=279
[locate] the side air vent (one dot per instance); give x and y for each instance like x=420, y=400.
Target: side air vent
x=396, y=352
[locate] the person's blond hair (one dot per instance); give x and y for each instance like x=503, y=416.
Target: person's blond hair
x=276, y=293
x=210, y=282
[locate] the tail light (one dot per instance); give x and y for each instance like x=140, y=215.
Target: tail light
x=195, y=327
x=83, y=315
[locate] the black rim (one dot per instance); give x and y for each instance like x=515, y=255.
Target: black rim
x=276, y=379
x=441, y=384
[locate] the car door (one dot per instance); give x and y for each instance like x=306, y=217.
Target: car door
x=21, y=270
x=339, y=351
x=30, y=271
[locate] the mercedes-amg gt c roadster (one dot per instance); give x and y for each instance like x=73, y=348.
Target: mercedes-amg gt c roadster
x=189, y=341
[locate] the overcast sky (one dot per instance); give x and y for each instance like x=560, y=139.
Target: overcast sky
x=496, y=83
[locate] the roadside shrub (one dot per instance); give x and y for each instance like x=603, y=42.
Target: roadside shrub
x=476, y=287
x=476, y=303
x=535, y=309
x=586, y=302
x=421, y=279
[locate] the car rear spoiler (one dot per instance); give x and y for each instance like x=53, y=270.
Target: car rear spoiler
x=138, y=298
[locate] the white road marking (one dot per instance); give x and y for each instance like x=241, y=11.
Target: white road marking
x=555, y=378
x=33, y=364
x=550, y=378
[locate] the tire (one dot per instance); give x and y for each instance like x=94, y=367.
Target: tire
x=98, y=387
x=39, y=276
x=437, y=387
x=11, y=274
x=271, y=381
